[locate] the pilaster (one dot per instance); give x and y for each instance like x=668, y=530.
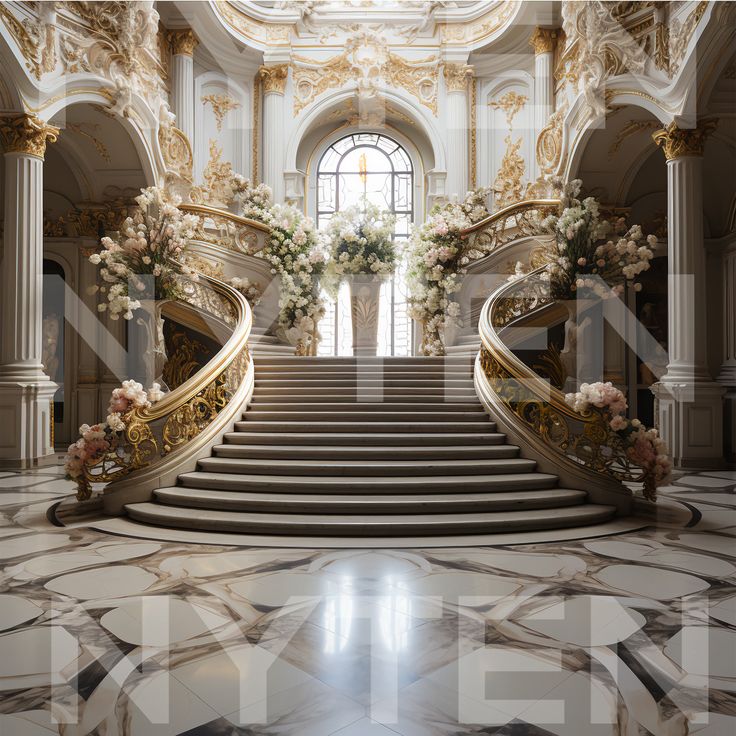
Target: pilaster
x=273, y=83
x=25, y=390
x=690, y=403
x=183, y=43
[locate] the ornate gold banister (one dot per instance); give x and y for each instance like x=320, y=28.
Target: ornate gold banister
x=581, y=449
x=231, y=231
x=159, y=440
x=518, y=220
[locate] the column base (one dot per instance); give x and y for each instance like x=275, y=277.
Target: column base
x=25, y=423
x=690, y=420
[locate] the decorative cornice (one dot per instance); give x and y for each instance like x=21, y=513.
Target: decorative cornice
x=457, y=77
x=543, y=40
x=274, y=78
x=677, y=142
x=26, y=134
x=182, y=41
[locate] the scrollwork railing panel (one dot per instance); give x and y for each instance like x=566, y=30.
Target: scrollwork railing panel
x=161, y=429
x=219, y=227
x=510, y=223
x=585, y=439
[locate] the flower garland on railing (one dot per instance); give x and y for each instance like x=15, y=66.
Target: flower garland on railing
x=97, y=440
x=294, y=253
x=142, y=262
x=360, y=241
x=582, y=258
x=644, y=447
x=436, y=260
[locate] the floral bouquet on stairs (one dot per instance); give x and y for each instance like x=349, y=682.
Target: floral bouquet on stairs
x=363, y=252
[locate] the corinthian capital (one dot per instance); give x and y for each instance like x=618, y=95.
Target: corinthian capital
x=677, y=142
x=182, y=41
x=543, y=40
x=26, y=134
x=274, y=78
x=457, y=77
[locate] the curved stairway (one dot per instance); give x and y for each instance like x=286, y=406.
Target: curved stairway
x=383, y=447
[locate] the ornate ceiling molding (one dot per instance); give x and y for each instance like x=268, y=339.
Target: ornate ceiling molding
x=370, y=64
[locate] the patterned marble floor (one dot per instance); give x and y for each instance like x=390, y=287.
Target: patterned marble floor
x=630, y=634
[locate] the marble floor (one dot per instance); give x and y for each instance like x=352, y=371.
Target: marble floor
x=629, y=634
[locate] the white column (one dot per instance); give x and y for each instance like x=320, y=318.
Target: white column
x=543, y=40
x=457, y=79
x=727, y=375
x=690, y=402
x=273, y=78
x=25, y=390
x=183, y=42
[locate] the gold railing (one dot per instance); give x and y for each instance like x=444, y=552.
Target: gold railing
x=516, y=221
x=226, y=229
x=168, y=425
x=582, y=443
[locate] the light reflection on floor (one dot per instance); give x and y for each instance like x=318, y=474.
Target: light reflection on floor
x=629, y=634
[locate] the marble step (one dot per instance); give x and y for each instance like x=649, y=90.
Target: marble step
x=359, y=369
x=374, y=453
x=385, y=407
x=500, y=482
x=483, y=426
x=369, y=504
x=363, y=525
x=367, y=468
x=362, y=360
x=362, y=397
x=307, y=413
x=337, y=384
x=433, y=442
x=262, y=374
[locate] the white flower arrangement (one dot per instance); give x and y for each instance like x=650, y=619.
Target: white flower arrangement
x=360, y=241
x=644, y=447
x=97, y=440
x=582, y=258
x=143, y=261
x=294, y=253
x=436, y=261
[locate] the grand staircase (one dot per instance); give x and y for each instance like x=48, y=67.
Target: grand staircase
x=378, y=447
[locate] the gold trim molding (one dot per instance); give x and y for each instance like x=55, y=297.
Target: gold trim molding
x=677, y=142
x=26, y=134
x=221, y=106
x=182, y=41
x=274, y=78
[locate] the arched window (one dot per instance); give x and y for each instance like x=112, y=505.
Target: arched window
x=376, y=167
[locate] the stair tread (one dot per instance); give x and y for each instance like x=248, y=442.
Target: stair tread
x=373, y=464
x=179, y=495
x=358, y=521
x=418, y=481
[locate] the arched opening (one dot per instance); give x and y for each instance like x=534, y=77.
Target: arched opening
x=376, y=167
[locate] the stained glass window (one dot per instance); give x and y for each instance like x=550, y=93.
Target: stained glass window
x=376, y=167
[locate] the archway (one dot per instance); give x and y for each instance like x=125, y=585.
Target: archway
x=378, y=168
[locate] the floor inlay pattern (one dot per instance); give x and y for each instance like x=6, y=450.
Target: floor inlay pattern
x=631, y=634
